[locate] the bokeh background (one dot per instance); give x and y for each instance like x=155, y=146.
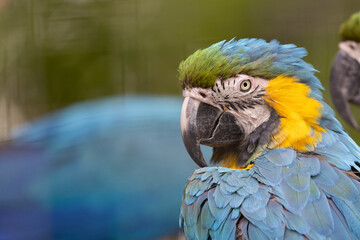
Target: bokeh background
x=72, y=181
x=57, y=52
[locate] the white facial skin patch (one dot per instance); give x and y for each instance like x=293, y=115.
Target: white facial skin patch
x=234, y=95
x=351, y=48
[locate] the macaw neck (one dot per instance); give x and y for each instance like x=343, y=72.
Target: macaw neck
x=241, y=156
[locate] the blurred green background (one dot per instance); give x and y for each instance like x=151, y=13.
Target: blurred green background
x=57, y=52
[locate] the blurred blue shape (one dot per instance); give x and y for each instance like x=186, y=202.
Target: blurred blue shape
x=106, y=169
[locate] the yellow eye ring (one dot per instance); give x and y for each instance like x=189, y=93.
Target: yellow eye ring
x=245, y=85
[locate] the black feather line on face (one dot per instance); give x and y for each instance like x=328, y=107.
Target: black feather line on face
x=255, y=89
x=240, y=106
x=260, y=95
x=232, y=106
x=252, y=98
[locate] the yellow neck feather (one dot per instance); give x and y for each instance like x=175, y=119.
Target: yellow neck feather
x=299, y=127
x=231, y=162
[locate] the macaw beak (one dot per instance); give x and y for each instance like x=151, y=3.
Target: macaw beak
x=345, y=86
x=202, y=123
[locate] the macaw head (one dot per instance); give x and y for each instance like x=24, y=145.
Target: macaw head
x=345, y=72
x=244, y=96
x=350, y=30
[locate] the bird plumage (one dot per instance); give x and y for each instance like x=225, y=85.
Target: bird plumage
x=254, y=57
x=350, y=30
x=304, y=193
x=290, y=192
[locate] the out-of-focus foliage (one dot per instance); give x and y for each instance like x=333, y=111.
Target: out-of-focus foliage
x=56, y=52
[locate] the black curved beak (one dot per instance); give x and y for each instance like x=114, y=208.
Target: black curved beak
x=202, y=123
x=345, y=86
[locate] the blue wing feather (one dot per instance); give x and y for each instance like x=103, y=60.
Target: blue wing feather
x=255, y=233
x=274, y=215
x=341, y=230
x=327, y=175
x=351, y=214
x=344, y=188
x=206, y=221
x=318, y=215
x=296, y=200
x=270, y=172
x=289, y=234
x=296, y=222
x=298, y=181
x=282, y=157
x=314, y=191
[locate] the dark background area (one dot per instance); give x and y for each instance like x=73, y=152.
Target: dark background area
x=54, y=53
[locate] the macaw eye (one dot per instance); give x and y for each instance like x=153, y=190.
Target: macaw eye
x=245, y=85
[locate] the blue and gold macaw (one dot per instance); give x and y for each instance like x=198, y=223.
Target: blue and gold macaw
x=100, y=169
x=282, y=165
x=345, y=71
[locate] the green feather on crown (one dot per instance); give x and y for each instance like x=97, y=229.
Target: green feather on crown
x=205, y=66
x=350, y=30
